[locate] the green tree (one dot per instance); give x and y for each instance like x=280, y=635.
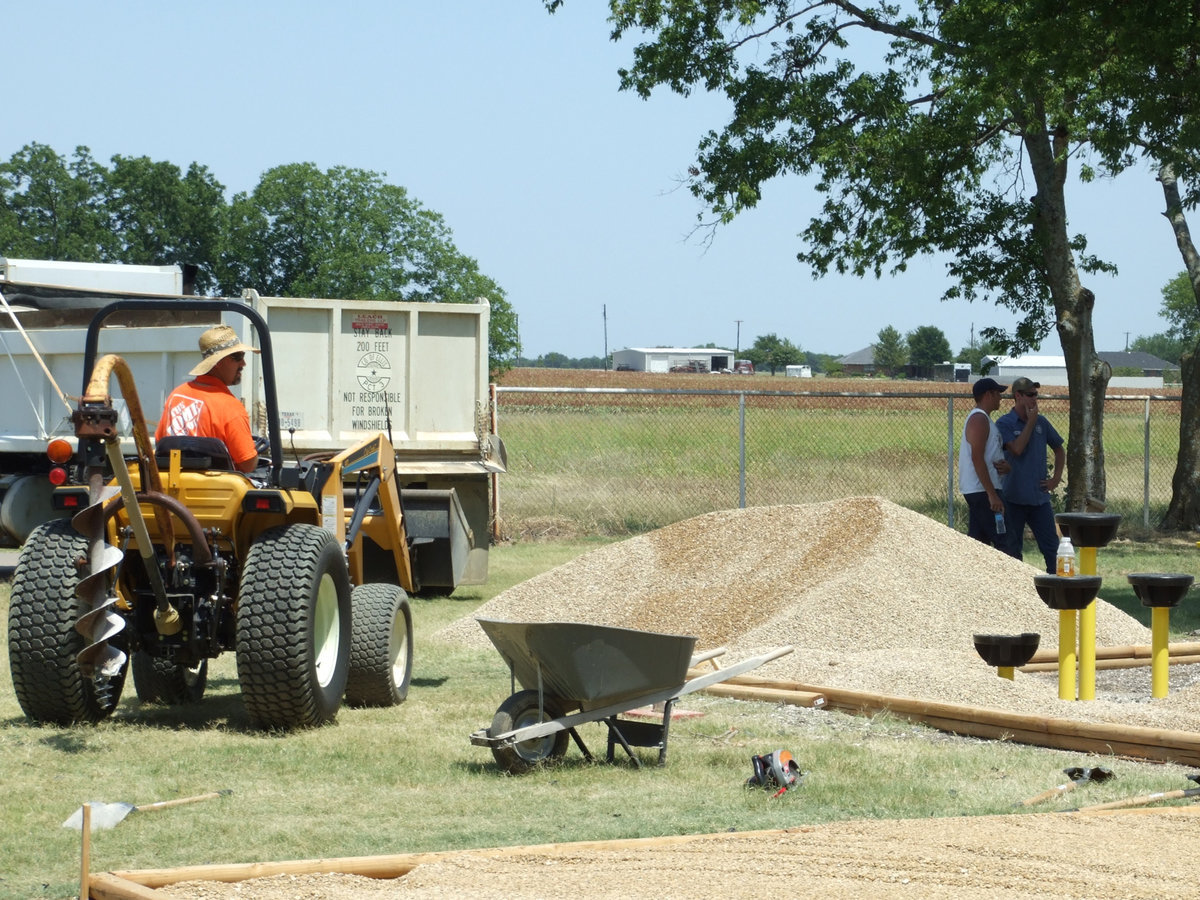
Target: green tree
x=927, y=347
x=932, y=126
x=891, y=351
x=159, y=215
x=347, y=233
x=1180, y=310
x=1161, y=345
x=773, y=353
x=52, y=208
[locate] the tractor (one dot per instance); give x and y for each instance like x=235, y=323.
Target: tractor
x=170, y=557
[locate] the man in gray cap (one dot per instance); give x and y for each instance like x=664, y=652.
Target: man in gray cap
x=1026, y=436
x=206, y=407
x=981, y=464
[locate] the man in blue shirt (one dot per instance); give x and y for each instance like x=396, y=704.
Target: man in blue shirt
x=1026, y=436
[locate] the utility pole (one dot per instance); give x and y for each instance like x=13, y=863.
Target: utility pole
x=737, y=348
x=1127, y=342
x=604, y=313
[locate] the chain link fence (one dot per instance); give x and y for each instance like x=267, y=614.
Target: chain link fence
x=623, y=461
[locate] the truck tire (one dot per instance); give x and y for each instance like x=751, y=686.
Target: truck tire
x=519, y=711
x=159, y=680
x=293, y=628
x=380, y=646
x=42, y=640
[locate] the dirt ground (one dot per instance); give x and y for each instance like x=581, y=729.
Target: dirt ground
x=1127, y=854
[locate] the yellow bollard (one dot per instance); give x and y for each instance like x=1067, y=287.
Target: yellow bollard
x=1160, y=591
x=1160, y=660
x=1066, y=654
x=1087, y=631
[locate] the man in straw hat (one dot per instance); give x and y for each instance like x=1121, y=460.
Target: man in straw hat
x=206, y=407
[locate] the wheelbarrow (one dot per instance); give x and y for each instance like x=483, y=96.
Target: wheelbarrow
x=573, y=673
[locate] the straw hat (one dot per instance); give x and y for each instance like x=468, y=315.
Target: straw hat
x=216, y=344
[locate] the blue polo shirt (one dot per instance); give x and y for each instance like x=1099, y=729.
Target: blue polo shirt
x=1023, y=484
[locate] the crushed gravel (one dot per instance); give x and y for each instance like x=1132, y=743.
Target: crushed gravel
x=872, y=596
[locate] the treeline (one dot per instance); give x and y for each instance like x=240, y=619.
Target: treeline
x=301, y=232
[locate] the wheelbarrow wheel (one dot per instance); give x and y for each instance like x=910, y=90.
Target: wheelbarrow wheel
x=520, y=711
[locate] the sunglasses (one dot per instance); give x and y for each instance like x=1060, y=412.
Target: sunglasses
x=1029, y=393
x=237, y=357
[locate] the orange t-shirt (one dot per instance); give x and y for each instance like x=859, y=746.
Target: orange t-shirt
x=206, y=408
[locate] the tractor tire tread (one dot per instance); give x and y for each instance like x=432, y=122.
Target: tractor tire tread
x=275, y=620
x=372, y=680
x=42, y=640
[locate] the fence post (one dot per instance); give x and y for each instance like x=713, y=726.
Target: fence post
x=950, y=461
x=742, y=450
x=1146, y=474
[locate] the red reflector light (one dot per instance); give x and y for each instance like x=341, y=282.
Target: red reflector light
x=60, y=451
x=69, y=498
x=262, y=502
x=57, y=476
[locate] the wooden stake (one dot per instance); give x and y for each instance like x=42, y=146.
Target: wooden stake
x=85, y=854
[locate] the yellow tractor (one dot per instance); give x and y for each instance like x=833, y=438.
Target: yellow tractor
x=172, y=557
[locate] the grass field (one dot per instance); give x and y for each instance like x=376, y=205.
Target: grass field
x=619, y=463
x=407, y=779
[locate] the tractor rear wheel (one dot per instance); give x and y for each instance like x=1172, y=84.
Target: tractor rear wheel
x=42, y=640
x=293, y=628
x=520, y=711
x=159, y=680
x=380, y=646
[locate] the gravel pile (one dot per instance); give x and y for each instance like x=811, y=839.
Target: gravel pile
x=872, y=596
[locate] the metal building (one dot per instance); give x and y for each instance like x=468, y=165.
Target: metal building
x=672, y=359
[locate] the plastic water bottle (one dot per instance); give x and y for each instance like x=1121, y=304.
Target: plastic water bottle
x=1065, y=565
x=1000, y=529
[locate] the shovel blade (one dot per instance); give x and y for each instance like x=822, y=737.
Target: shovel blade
x=104, y=816
x=1081, y=775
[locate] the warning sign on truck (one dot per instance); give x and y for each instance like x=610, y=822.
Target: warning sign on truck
x=371, y=325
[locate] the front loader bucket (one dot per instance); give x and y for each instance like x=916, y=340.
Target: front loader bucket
x=440, y=534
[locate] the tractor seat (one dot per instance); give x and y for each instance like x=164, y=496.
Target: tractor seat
x=194, y=452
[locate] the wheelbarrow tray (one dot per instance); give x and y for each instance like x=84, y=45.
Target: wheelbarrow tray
x=601, y=672
x=589, y=666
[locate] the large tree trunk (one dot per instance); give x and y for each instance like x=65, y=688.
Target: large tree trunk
x=1087, y=375
x=1184, y=511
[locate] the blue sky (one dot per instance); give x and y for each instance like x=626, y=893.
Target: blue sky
x=508, y=122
